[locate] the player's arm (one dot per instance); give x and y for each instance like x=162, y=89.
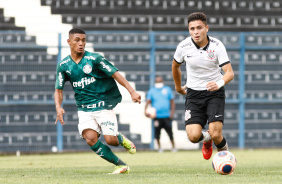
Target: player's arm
x=58, y=97
x=228, y=73
x=122, y=81
x=146, y=106
x=176, y=73
x=172, y=108
x=227, y=77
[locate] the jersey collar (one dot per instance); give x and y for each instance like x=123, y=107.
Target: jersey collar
x=206, y=47
x=80, y=59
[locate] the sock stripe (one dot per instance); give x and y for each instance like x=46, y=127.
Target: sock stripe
x=201, y=138
x=222, y=143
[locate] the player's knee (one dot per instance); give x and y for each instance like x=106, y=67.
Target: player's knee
x=216, y=135
x=91, y=142
x=111, y=140
x=90, y=136
x=194, y=138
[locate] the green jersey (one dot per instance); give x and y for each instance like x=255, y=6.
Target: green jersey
x=91, y=81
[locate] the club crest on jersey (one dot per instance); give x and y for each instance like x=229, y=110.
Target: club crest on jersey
x=211, y=54
x=87, y=68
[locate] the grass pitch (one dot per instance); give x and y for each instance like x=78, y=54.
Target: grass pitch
x=253, y=166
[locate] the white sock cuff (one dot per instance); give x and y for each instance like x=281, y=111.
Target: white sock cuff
x=207, y=136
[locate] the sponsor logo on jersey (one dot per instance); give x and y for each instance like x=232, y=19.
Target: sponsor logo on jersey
x=211, y=54
x=187, y=44
x=106, y=66
x=99, y=104
x=90, y=57
x=87, y=68
x=63, y=62
x=61, y=79
x=164, y=91
x=83, y=82
x=213, y=41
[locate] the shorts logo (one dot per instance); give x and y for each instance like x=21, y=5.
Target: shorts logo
x=156, y=123
x=187, y=115
x=211, y=54
x=87, y=68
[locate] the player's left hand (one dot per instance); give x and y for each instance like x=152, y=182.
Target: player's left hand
x=212, y=86
x=136, y=97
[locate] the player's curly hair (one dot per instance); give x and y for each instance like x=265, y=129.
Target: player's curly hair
x=197, y=16
x=76, y=30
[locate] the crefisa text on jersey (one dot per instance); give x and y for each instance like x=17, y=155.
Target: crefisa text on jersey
x=84, y=81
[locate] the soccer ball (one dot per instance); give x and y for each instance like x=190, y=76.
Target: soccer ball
x=151, y=112
x=224, y=162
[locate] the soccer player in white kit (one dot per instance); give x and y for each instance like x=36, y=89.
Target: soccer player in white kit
x=204, y=56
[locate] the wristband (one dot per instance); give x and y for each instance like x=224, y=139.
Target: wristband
x=220, y=83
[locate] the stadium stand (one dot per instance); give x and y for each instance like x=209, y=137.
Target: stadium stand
x=166, y=15
x=8, y=23
x=27, y=69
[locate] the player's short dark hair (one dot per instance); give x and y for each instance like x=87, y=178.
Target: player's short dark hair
x=197, y=16
x=76, y=30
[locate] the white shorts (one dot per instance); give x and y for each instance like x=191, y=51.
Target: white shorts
x=101, y=121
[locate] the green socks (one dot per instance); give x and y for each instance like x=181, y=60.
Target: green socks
x=106, y=153
x=120, y=138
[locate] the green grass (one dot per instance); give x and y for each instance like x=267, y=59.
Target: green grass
x=253, y=166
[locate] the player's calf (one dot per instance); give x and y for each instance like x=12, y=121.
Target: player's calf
x=127, y=144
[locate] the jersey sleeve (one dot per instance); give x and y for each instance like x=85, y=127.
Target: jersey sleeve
x=178, y=55
x=105, y=66
x=149, y=95
x=60, y=78
x=222, y=55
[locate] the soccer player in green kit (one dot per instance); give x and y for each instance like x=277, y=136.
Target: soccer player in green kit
x=96, y=93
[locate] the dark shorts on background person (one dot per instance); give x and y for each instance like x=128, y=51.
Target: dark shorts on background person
x=165, y=123
x=202, y=107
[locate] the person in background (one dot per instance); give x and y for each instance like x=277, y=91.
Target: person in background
x=161, y=98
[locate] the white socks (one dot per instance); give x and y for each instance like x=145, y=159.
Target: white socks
x=207, y=136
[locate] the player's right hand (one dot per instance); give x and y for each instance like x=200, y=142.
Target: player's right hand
x=136, y=97
x=60, y=112
x=182, y=90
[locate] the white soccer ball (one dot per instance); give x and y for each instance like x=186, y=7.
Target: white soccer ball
x=151, y=112
x=54, y=149
x=224, y=162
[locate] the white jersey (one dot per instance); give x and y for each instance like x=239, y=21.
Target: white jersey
x=203, y=65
